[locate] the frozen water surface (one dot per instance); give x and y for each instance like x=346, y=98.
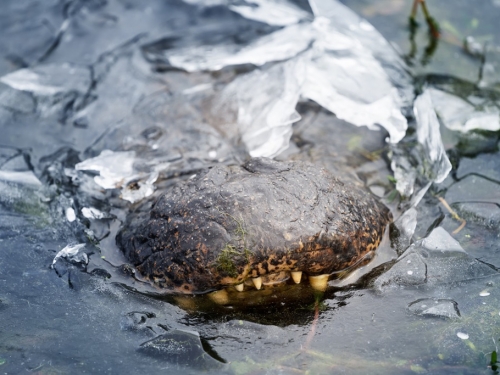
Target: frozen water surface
x=105, y=104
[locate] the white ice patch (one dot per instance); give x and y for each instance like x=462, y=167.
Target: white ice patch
x=49, y=79
x=207, y=3
x=113, y=167
x=429, y=136
x=93, y=213
x=70, y=214
x=265, y=120
x=280, y=45
x=433, y=163
x=459, y=115
x=144, y=190
x=272, y=12
x=20, y=177
x=197, y=89
x=72, y=254
x=359, y=91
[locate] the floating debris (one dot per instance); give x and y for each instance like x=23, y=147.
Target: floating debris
x=72, y=254
x=113, y=167
x=93, y=213
x=439, y=308
x=70, y=214
x=20, y=177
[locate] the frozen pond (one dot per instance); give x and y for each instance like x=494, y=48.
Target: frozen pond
x=105, y=104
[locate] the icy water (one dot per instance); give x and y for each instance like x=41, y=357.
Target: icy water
x=112, y=76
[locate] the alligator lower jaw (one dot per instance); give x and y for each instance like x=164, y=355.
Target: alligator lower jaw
x=222, y=297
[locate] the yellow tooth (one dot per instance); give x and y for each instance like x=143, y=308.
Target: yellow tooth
x=257, y=281
x=319, y=283
x=239, y=287
x=296, y=276
x=220, y=297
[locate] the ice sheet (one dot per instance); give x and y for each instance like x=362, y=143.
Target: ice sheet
x=272, y=12
x=427, y=160
x=146, y=188
x=349, y=69
x=114, y=168
x=460, y=115
x=50, y=79
x=347, y=92
x=436, y=259
x=73, y=254
x=207, y=3
x=265, y=120
x=21, y=177
x=93, y=213
x=429, y=136
x=280, y=45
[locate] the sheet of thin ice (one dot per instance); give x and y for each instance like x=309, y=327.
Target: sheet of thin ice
x=459, y=115
x=432, y=162
x=342, y=49
x=114, y=168
x=429, y=136
x=280, y=45
x=272, y=12
x=50, y=79
x=73, y=254
x=265, y=120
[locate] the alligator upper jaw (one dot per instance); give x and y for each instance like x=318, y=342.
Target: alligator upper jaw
x=247, y=280
x=318, y=282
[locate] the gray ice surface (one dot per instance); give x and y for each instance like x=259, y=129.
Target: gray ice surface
x=436, y=259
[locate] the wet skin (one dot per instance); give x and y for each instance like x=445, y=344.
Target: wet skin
x=262, y=221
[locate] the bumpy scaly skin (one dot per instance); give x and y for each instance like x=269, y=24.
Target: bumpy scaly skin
x=232, y=223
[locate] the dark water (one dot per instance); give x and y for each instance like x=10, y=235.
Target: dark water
x=98, y=319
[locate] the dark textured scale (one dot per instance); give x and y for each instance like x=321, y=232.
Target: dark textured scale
x=231, y=223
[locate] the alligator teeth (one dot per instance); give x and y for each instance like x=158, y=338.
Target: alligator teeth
x=257, y=281
x=296, y=276
x=319, y=283
x=220, y=297
x=239, y=287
